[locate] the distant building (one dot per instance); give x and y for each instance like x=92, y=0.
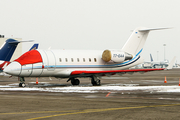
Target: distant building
x=18, y=51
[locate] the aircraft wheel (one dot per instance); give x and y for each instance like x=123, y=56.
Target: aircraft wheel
x=96, y=83
x=75, y=82
x=20, y=84
x=23, y=84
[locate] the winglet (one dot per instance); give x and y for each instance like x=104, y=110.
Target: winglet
x=171, y=63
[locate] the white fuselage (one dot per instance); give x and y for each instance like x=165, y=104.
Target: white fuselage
x=60, y=63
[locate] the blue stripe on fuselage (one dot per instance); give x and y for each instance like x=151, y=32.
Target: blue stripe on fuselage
x=100, y=66
x=95, y=66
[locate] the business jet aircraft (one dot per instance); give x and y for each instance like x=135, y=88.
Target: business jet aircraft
x=72, y=64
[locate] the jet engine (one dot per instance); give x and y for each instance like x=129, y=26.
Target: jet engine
x=115, y=56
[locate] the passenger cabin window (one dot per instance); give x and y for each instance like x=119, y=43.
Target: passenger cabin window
x=66, y=59
x=60, y=60
x=83, y=59
x=89, y=59
x=72, y=60
x=78, y=59
x=95, y=60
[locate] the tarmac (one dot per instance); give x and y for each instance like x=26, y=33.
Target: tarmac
x=127, y=97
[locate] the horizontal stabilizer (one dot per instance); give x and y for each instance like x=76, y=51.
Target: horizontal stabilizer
x=14, y=42
x=149, y=29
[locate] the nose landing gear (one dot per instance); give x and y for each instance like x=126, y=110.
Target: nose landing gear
x=22, y=82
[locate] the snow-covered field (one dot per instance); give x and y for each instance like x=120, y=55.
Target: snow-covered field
x=93, y=89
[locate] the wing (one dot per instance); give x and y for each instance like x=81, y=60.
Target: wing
x=84, y=73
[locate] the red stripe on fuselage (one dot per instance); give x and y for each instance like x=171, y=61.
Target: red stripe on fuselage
x=114, y=71
x=30, y=57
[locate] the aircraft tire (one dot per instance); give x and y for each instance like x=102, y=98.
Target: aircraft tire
x=20, y=84
x=75, y=82
x=96, y=83
x=23, y=84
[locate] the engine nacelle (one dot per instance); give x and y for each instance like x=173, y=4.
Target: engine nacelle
x=116, y=56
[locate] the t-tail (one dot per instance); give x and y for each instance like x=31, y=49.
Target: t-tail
x=7, y=49
x=136, y=41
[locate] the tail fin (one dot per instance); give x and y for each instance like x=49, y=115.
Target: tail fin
x=35, y=46
x=151, y=58
x=171, y=63
x=7, y=49
x=136, y=41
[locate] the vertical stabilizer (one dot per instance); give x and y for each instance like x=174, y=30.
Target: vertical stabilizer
x=170, y=66
x=34, y=47
x=151, y=58
x=7, y=49
x=137, y=40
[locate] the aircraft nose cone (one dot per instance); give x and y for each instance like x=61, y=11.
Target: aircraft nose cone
x=13, y=68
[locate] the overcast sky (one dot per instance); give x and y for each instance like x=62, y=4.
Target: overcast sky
x=93, y=24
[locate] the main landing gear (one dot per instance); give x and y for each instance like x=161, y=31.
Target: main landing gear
x=74, y=81
x=94, y=80
x=22, y=82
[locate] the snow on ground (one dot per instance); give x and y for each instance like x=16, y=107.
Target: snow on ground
x=93, y=89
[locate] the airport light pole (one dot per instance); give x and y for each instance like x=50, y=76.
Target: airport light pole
x=164, y=50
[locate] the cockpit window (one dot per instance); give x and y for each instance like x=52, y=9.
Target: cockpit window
x=29, y=57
